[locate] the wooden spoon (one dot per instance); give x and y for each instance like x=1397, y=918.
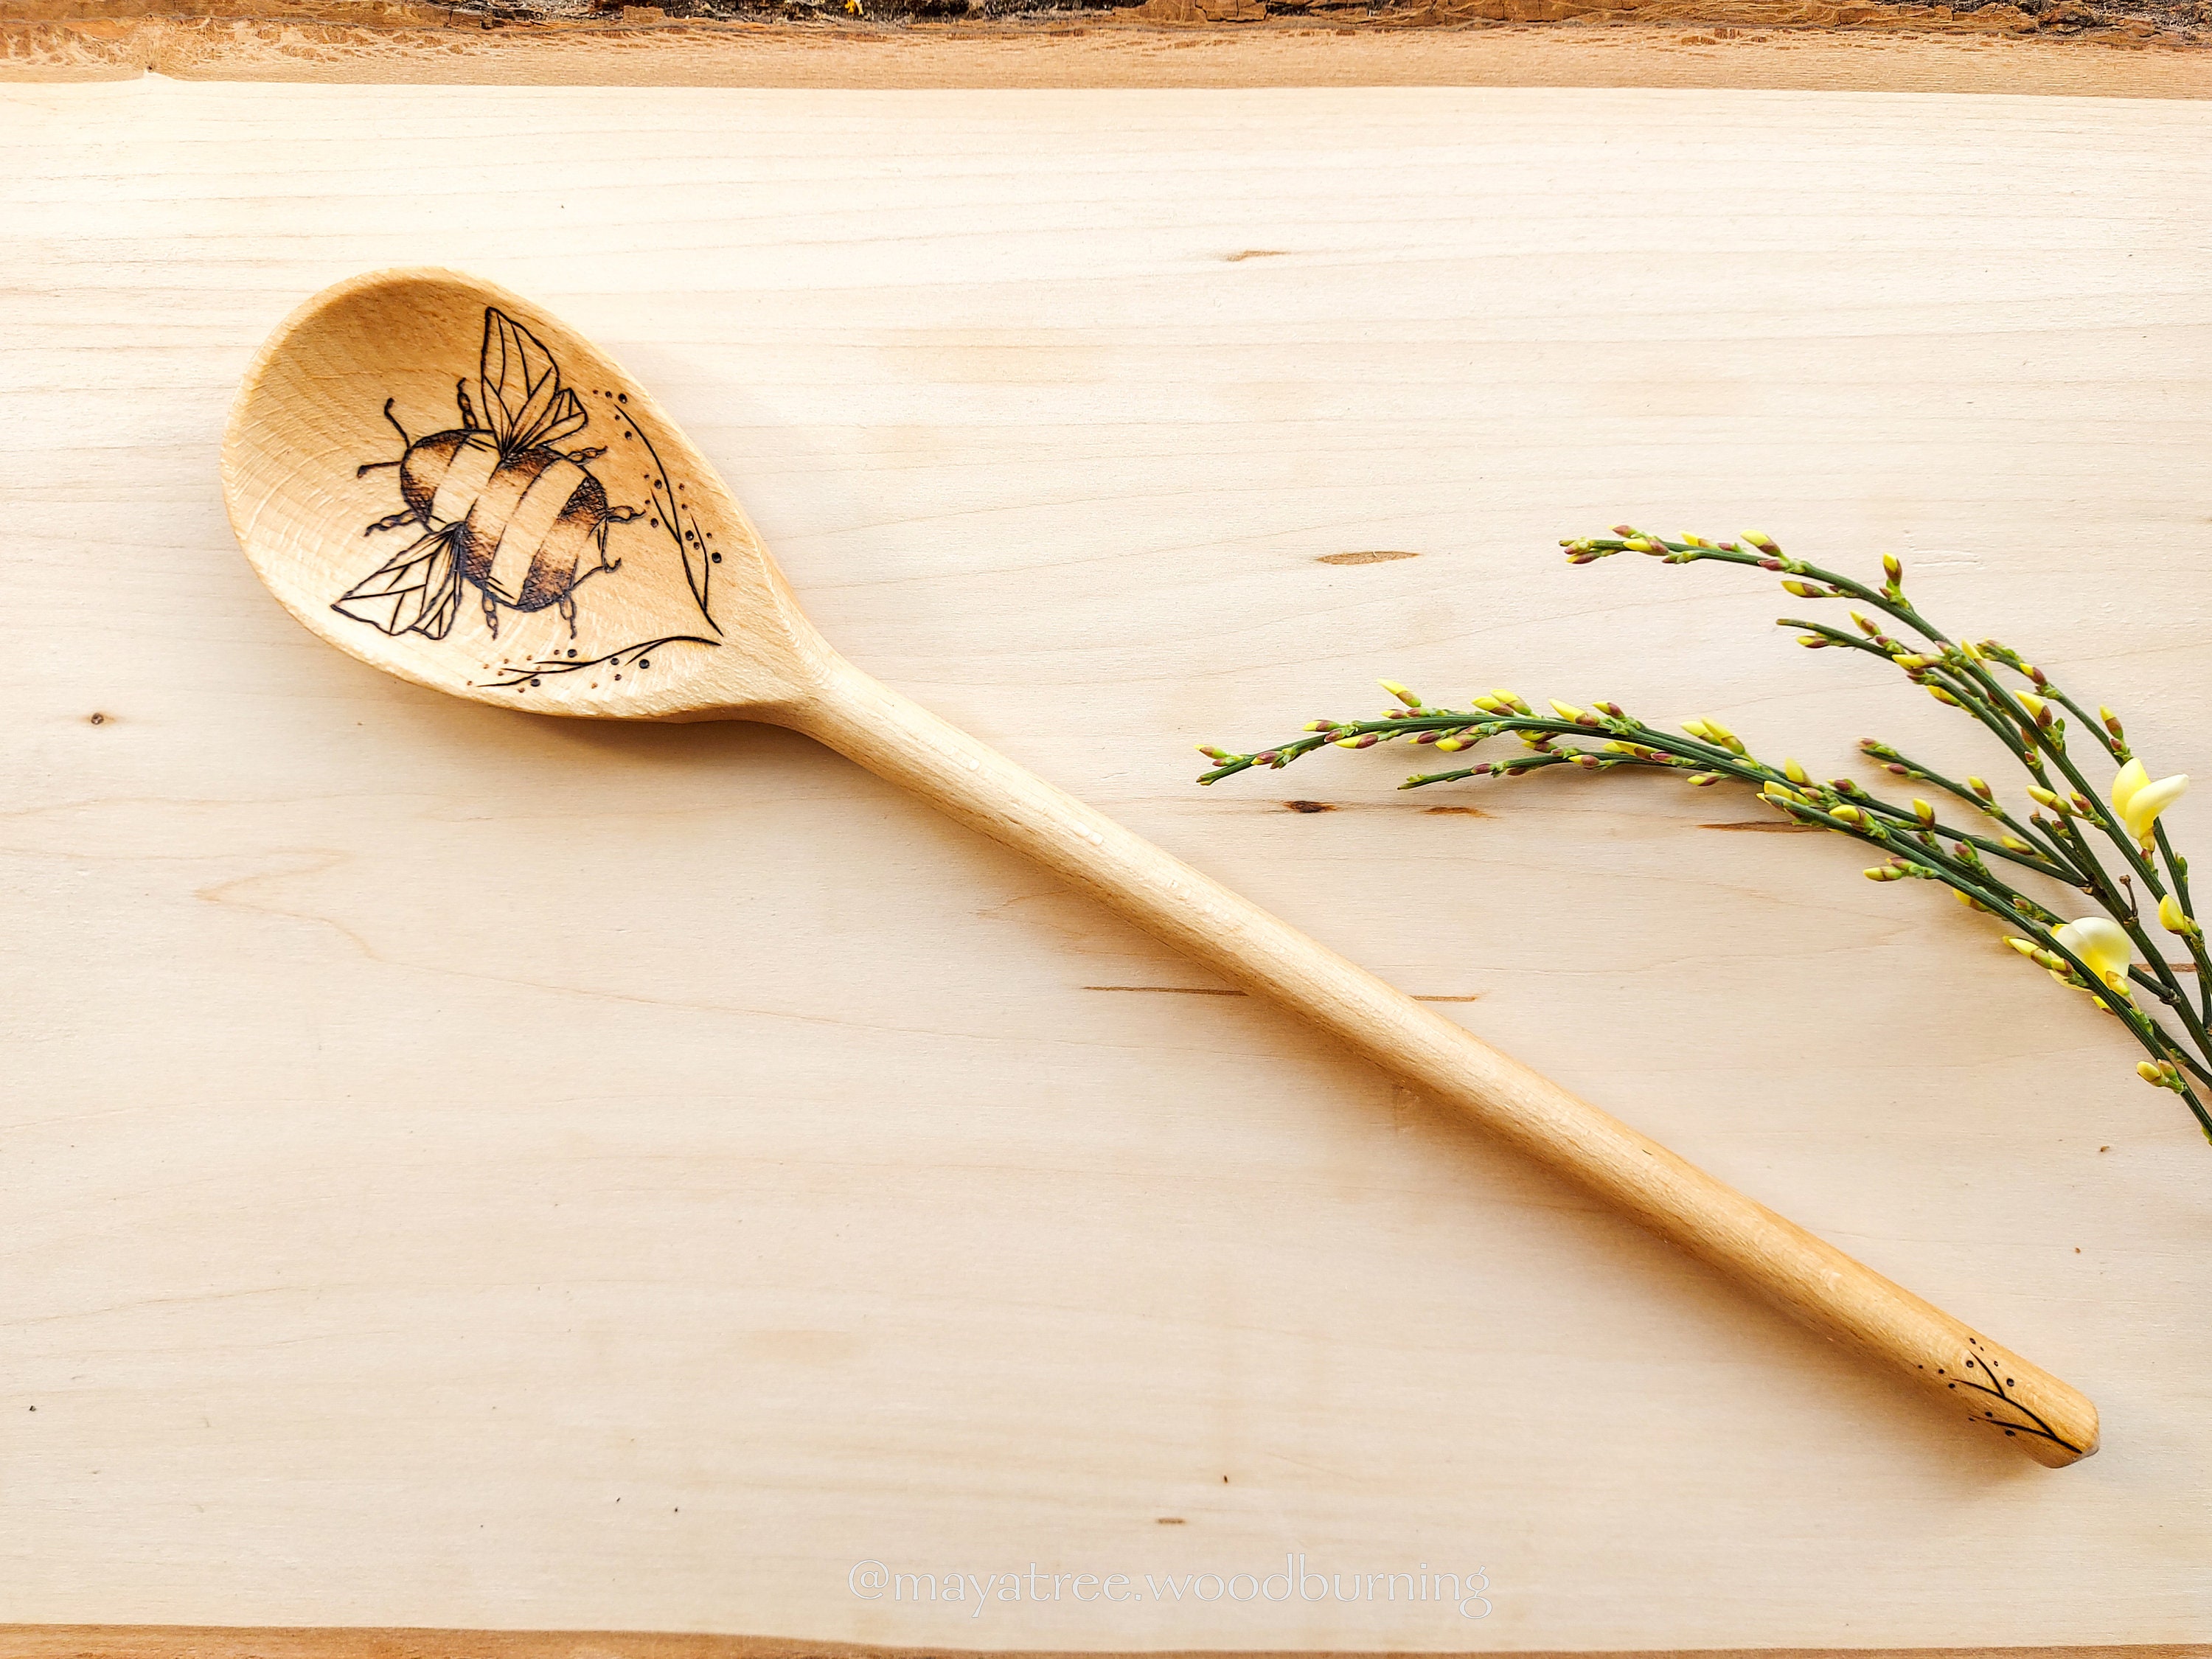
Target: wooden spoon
x=439, y=478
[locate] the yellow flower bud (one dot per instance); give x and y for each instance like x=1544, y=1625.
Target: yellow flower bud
x=2038, y=710
x=2150, y=1073
x=2026, y=947
x=1400, y=693
x=1567, y=711
x=2174, y=920
x=1942, y=696
x=1795, y=773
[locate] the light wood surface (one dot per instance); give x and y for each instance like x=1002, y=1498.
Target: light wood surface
x=441, y=1124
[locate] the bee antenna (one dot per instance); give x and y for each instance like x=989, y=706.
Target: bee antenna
x=395, y=427
x=368, y=467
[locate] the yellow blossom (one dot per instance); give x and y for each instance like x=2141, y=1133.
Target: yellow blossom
x=2139, y=799
x=2101, y=945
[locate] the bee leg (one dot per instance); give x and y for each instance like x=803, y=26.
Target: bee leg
x=569, y=612
x=491, y=613
x=623, y=515
x=393, y=522
x=579, y=456
x=601, y=568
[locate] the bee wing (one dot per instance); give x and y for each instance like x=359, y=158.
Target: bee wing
x=563, y=415
x=418, y=591
x=521, y=382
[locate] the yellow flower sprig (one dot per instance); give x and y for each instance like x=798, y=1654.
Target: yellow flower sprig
x=2103, y=843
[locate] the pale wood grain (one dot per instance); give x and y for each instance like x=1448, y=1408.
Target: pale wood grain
x=431, y=1126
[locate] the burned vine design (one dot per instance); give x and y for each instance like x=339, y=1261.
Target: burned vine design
x=2030, y=1422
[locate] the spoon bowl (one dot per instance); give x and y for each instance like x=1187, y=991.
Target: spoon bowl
x=438, y=477
x=444, y=481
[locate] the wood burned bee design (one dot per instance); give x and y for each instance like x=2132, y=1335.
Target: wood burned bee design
x=504, y=512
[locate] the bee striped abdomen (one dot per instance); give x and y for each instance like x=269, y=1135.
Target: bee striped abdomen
x=525, y=524
x=509, y=541
x=567, y=547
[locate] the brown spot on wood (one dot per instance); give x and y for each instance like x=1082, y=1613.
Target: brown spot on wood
x=1170, y=1521
x=1459, y=811
x=1311, y=805
x=1254, y=253
x=1764, y=827
x=96, y=719
x=1173, y=990
x=1474, y=997
x=1377, y=556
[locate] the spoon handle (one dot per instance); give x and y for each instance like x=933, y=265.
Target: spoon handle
x=1806, y=1277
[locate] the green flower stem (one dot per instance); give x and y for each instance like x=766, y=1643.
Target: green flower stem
x=1912, y=840
x=2123, y=910
x=2005, y=902
x=2055, y=848
x=1967, y=678
x=2197, y=952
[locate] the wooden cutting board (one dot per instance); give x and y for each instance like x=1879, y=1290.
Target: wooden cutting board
x=467, y=1171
